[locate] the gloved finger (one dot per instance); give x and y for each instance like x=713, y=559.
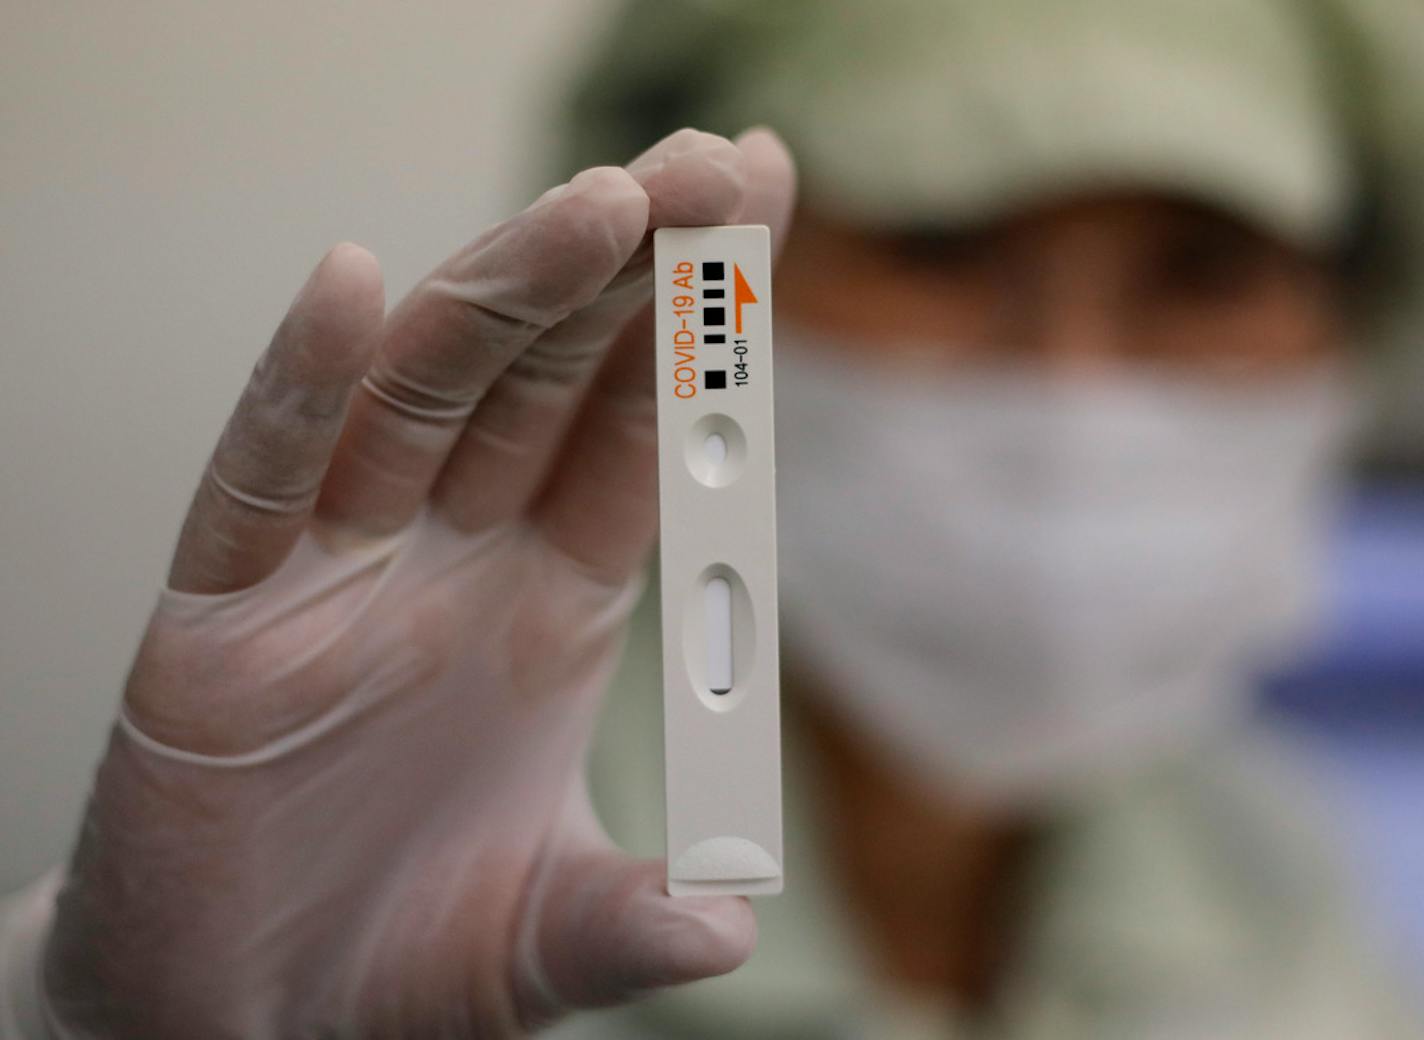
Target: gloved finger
x=448, y=341
x=265, y=474
x=496, y=467
x=771, y=183
x=605, y=931
x=451, y=340
x=600, y=504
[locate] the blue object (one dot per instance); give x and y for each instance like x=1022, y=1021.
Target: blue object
x=1368, y=668
x=1360, y=695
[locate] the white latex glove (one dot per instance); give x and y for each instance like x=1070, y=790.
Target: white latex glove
x=345, y=795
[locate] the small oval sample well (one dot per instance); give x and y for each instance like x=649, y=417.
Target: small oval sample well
x=715, y=450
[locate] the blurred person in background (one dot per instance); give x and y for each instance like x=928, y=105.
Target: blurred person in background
x=1075, y=319
x=1074, y=316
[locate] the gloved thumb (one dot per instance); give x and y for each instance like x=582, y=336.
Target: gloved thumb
x=605, y=931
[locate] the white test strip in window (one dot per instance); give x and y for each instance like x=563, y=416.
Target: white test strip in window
x=716, y=470
x=717, y=616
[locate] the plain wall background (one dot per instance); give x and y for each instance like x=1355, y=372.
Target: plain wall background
x=169, y=173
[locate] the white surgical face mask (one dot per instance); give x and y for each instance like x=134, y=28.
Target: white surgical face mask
x=1019, y=585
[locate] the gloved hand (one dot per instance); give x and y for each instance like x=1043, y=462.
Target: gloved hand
x=345, y=795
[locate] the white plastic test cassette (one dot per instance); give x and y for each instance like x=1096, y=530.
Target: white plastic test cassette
x=717, y=469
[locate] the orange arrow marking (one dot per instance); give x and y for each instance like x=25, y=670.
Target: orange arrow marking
x=741, y=293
